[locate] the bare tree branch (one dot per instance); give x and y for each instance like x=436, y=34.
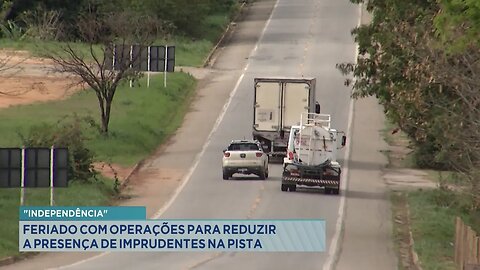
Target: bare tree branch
x=100, y=32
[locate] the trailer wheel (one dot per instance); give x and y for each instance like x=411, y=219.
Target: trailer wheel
x=328, y=190
x=284, y=187
x=293, y=188
x=336, y=191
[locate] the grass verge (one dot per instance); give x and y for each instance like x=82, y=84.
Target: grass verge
x=433, y=227
x=141, y=119
x=428, y=214
x=447, y=178
x=77, y=194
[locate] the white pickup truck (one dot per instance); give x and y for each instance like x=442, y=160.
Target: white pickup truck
x=244, y=157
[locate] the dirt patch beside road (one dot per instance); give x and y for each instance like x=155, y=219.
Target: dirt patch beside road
x=21, y=90
x=113, y=171
x=25, y=80
x=16, y=57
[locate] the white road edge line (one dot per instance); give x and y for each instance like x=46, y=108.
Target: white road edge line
x=335, y=245
x=187, y=177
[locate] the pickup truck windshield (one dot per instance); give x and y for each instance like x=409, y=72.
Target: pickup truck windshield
x=243, y=147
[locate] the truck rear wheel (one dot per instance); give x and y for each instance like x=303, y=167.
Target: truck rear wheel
x=292, y=188
x=284, y=187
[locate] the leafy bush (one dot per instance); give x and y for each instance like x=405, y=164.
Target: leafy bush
x=12, y=30
x=446, y=198
x=67, y=134
x=42, y=24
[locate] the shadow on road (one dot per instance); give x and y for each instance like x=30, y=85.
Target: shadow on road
x=353, y=194
x=245, y=178
x=349, y=194
x=364, y=165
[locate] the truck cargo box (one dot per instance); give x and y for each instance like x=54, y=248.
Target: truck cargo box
x=277, y=104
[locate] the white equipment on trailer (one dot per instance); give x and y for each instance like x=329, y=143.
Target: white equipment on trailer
x=312, y=155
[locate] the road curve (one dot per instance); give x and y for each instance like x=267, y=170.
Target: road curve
x=302, y=38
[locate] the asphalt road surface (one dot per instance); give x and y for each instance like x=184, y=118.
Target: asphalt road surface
x=301, y=38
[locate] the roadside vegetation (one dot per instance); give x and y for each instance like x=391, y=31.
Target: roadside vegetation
x=420, y=60
x=93, y=193
x=193, y=27
x=142, y=118
x=139, y=118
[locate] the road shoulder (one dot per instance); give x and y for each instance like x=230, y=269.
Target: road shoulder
x=367, y=238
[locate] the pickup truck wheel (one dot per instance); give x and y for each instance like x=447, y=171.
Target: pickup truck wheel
x=226, y=176
x=266, y=173
x=284, y=187
x=262, y=175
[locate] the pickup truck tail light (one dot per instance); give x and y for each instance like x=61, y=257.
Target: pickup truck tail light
x=226, y=154
x=258, y=154
x=295, y=173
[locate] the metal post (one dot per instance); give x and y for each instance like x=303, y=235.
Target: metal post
x=165, y=71
x=52, y=152
x=300, y=138
x=22, y=178
x=311, y=153
x=148, y=68
x=131, y=60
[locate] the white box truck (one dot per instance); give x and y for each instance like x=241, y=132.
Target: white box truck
x=277, y=104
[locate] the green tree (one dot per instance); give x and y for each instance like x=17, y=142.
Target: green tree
x=390, y=69
x=458, y=23
x=430, y=90
x=186, y=15
x=100, y=32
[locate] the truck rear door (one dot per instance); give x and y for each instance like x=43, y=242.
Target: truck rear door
x=267, y=106
x=295, y=102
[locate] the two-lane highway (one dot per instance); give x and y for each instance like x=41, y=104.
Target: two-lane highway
x=301, y=38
